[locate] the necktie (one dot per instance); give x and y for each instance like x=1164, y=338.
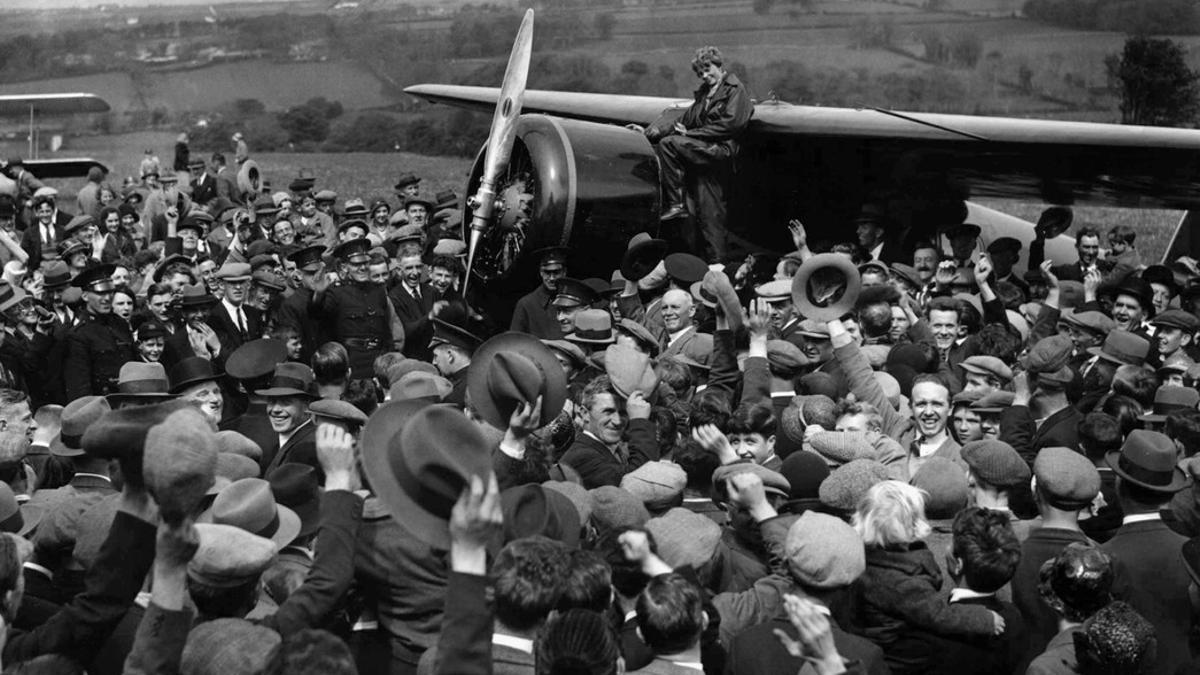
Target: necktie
x=48, y=234
x=241, y=319
x=417, y=293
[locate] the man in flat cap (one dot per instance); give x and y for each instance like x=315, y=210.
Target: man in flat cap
x=535, y=313
x=98, y=347
x=234, y=322
x=358, y=312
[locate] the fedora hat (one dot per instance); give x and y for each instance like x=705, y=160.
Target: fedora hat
x=1148, y=460
x=1169, y=399
x=297, y=487
x=420, y=385
x=56, y=275
x=139, y=382
x=418, y=457
x=511, y=369
x=77, y=416
x=593, y=327
x=1123, y=348
x=641, y=255
x=531, y=510
x=190, y=371
x=630, y=370
x=639, y=333
x=180, y=463
x=1054, y=221
x=290, y=379
x=195, y=295
x=15, y=518
x=10, y=296
x=250, y=505
x=121, y=435
x=249, y=178
x=423, y=200
x=570, y=350
x=833, y=297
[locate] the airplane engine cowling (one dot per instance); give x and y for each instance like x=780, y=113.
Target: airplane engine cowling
x=582, y=185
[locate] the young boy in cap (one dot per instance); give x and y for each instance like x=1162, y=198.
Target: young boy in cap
x=995, y=471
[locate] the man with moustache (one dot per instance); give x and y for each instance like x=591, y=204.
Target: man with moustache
x=98, y=347
x=925, y=260
x=535, y=313
x=357, y=312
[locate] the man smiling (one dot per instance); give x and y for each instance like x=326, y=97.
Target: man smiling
x=287, y=402
x=596, y=453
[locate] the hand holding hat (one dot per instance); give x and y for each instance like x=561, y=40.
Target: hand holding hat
x=180, y=463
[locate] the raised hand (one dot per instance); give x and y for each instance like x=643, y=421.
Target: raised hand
x=711, y=439
x=526, y=419
x=815, y=643
x=335, y=452
x=799, y=234
x=474, y=521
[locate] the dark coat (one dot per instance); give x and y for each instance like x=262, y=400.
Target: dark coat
x=757, y=651
x=982, y=654
x=535, y=315
x=32, y=243
x=301, y=448
x=27, y=358
x=414, y=316
x=1041, y=621
x=293, y=313
x=597, y=465
x=1150, y=577
x=721, y=118
x=204, y=188
x=95, y=351
x=253, y=424
x=227, y=331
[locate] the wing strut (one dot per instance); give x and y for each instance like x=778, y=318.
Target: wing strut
x=917, y=120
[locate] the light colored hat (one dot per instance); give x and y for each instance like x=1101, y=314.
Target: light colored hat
x=658, y=484
x=823, y=551
x=684, y=537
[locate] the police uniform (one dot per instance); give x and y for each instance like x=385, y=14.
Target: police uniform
x=293, y=312
x=359, y=314
x=535, y=313
x=99, y=346
x=445, y=332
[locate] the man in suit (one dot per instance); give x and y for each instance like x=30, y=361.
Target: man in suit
x=292, y=389
x=46, y=231
x=204, y=184
x=415, y=302
x=1146, y=553
x=1087, y=247
x=524, y=596
x=671, y=619
x=226, y=180
x=231, y=322
x=597, y=453
x=682, y=338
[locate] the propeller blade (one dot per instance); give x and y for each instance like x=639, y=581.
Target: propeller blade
x=501, y=137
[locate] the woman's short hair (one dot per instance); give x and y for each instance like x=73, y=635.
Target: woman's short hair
x=891, y=514
x=706, y=55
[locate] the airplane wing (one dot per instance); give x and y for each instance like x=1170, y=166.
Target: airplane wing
x=62, y=168
x=873, y=151
x=51, y=104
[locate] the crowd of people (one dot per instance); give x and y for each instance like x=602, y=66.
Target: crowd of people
x=271, y=435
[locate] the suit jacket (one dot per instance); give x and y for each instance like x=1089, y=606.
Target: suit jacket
x=1151, y=579
x=227, y=332
x=414, y=316
x=695, y=345
x=1040, y=620
x=253, y=424
x=756, y=651
x=204, y=188
x=32, y=242
x=597, y=465
x=301, y=448
x=997, y=655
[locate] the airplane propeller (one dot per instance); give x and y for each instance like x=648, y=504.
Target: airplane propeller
x=485, y=203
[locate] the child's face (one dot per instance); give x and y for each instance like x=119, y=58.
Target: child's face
x=293, y=347
x=1117, y=245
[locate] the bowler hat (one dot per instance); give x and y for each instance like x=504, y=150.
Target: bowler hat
x=77, y=416
x=255, y=359
x=57, y=275
x=1054, y=221
x=139, y=382
x=642, y=254
x=97, y=278
x=630, y=370
x=835, y=285
x=250, y=505
x=512, y=369
x=296, y=487
x=593, y=327
x=180, y=463
x=418, y=458
x=191, y=371
x=1123, y=348
x=1147, y=459
x=290, y=379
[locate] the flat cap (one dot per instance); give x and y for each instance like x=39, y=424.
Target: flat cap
x=229, y=556
x=685, y=537
x=993, y=402
x=1177, y=318
x=1049, y=354
x=850, y=482
x=1066, y=478
x=615, y=508
x=785, y=358
x=945, y=486
x=988, y=365
x=1097, y=323
x=996, y=463
x=235, y=443
x=823, y=551
x=775, y=291
x=658, y=484
x=234, y=272
x=337, y=410
x=579, y=496
x=773, y=481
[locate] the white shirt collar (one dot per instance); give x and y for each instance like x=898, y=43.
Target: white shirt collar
x=1141, y=518
x=514, y=642
x=876, y=251
x=231, y=309
x=677, y=334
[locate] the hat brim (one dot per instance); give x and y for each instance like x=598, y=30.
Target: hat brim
x=641, y=258
x=386, y=423
x=1179, y=479
x=554, y=391
x=117, y=400
x=60, y=449
x=278, y=392
x=177, y=388
x=1099, y=351
x=591, y=341
x=31, y=515
x=289, y=526
x=843, y=305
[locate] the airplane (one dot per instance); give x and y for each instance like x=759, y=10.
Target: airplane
x=20, y=105
x=595, y=183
